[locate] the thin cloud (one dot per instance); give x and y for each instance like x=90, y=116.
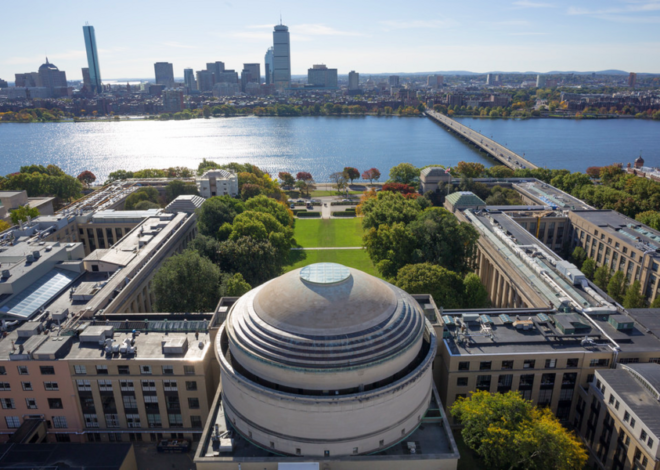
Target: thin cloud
x=528, y=33
x=530, y=4
x=178, y=45
x=418, y=24
x=630, y=7
x=321, y=30
x=38, y=60
x=509, y=23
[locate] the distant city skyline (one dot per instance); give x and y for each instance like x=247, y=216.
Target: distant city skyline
x=477, y=36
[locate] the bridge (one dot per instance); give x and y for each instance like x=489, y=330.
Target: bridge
x=495, y=150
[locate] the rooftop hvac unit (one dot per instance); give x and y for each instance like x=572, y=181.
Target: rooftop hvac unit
x=470, y=317
x=30, y=258
x=36, y=254
x=6, y=274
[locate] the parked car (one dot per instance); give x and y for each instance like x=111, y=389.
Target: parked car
x=293, y=206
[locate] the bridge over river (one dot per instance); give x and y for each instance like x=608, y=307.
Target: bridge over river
x=495, y=150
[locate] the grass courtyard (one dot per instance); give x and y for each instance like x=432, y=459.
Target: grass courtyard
x=357, y=259
x=328, y=232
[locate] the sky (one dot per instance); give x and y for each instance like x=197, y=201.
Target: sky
x=384, y=36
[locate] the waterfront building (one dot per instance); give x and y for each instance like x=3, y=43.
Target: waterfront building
x=540, y=81
x=255, y=72
x=164, y=74
x=320, y=76
x=353, y=81
x=216, y=68
x=361, y=395
x=92, y=59
x=632, y=79
x=281, y=57
x=172, y=100
x=268, y=66
x=217, y=183
x=52, y=79
x=204, y=80
x=189, y=79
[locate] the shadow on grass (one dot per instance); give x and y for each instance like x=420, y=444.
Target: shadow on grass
x=296, y=256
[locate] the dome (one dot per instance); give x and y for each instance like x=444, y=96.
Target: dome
x=48, y=66
x=639, y=161
x=347, y=327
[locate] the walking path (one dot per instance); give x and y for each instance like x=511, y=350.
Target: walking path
x=329, y=248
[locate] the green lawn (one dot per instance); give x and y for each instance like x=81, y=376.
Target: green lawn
x=357, y=259
x=328, y=232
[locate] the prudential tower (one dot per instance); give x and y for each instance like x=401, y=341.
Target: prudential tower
x=281, y=57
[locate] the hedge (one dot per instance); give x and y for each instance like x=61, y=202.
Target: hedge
x=352, y=203
x=308, y=214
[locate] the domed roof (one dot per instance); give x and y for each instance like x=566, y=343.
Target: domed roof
x=324, y=316
x=48, y=66
x=639, y=160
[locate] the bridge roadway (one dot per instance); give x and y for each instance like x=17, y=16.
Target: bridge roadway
x=495, y=150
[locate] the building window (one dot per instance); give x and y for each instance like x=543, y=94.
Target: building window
x=189, y=370
x=47, y=370
x=650, y=443
x=80, y=370
x=59, y=422
x=91, y=421
x=626, y=417
x=570, y=363
x=23, y=370
x=151, y=398
x=13, y=422
x=193, y=403
x=611, y=399
x=170, y=386
x=84, y=385
x=133, y=420
x=148, y=386
x=105, y=386
x=566, y=394
x=55, y=403
x=102, y=370
x=112, y=420
x=3, y=371
x=123, y=370
x=31, y=403
x=298, y=452
x=550, y=363
x=483, y=382
x=168, y=370
x=643, y=435
x=632, y=423
x=176, y=420
x=529, y=364
x=463, y=366
x=154, y=421
x=5, y=387
x=7, y=403
x=126, y=385
x=196, y=422
x=130, y=402
x=145, y=370
x=191, y=386
x=51, y=386
x=545, y=397
x=485, y=365
x=504, y=383
x=27, y=386
x=599, y=363
x=507, y=365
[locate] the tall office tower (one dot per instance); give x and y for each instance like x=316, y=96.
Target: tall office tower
x=632, y=79
x=321, y=76
x=53, y=79
x=216, y=68
x=87, y=80
x=393, y=80
x=268, y=62
x=353, y=80
x=434, y=81
x=228, y=76
x=26, y=80
x=189, y=79
x=540, y=81
x=281, y=57
x=164, y=74
x=3, y=83
x=204, y=80
x=246, y=77
x=489, y=79
x=255, y=72
x=172, y=100
x=92, y=59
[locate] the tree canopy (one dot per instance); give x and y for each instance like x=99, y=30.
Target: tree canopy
x=405, y=173
x=216, y=211
x=351, y=173
x=445, y=286
x=38, y=180
x=176, y=188
x=257, y=260
x=509, y=432
x=146, y=193
x=86, y=177
x=21, y=213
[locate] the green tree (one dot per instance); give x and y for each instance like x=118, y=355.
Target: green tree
x=654, y=304
x=339, y=180
x=509, y=432
x=578, y=256
x=616, y=288
x=250, y=190
x=405, y=173
x=207, y=247
x=119, y=175
x=476, y=294
x=602, y=277
x=146, y=193
x=257, y=260
x=173, y=280
x=470, y=169
x=236, y=286
x=391, y=247
x=177, y=188
x=445, y=286
x=634, y=297
x=216, y=211
x=351, y=173
x=286, y=178
x=22, y=213
x=650, y=218
x=277, y=209
x=263, y=226
x=146, y=205
x=589, y=268
x=4, y=226
x=388, y=208
x=500, y=171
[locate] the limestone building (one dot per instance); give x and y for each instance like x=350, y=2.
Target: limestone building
x=327, y=364
x=218, y=183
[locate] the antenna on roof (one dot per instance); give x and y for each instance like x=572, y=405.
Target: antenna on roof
x=280, y=18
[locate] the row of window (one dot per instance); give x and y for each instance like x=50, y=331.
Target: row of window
x=154, y=420
x=31, y=403
x=130, y=402
x=13, y=422
x=531, y=364
x=125, y=370
x=128, y=385
x=27, y=386
x=23, y=370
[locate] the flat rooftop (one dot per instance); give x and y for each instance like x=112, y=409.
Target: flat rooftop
x=64, y=456
x=550, y=196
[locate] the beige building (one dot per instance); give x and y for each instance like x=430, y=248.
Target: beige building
x=218, y=183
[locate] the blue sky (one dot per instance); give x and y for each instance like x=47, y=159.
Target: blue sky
x=366, y=36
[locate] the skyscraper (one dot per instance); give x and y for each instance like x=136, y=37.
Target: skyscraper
x=87, y=80
x=393, y=80
x=281, y=57
x=353, y=80
x=189, y=79
x=53, y=79
x=269, y=66
x=204, y=80
x=92, y=59
x=216, y=68
x=255, y=72
x=321, y=76
x=632, y=79
x=540, y=81
x=164, y=73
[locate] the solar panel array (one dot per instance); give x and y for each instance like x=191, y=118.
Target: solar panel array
x=324, y=273
x=28, y=301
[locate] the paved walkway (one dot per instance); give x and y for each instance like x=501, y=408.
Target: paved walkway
x=329, y=248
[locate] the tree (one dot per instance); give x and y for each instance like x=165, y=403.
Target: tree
x=236, y=286
x=22, y=213
x=4, y=226
x=304, y=176
x=263, y=226
x=86, y=177
x=634, y=297
x=339, y=180
x=476, y=294
x=509, y=432
x=172, y=283
x=656, y=302
x=578, y=256
x=616, y=288
x=405, y=173
x=650, y=218
x=206, y=246
x=277, y=209
x=399, y=188
x=286, y=178
x=304, y=187
x=119, y=175
x=177, y=188
x=388, y=208
x=391, y=248
x=445, y=286
x=372, y=174
x=593, y=172
x=589, y=268
x=249, y=191
x=258, y=261
x=216, y=211
x=602, y=277
x=500, y=171
x=145, y=193
x=145, y=205
x=470, y=169
x=351, y=173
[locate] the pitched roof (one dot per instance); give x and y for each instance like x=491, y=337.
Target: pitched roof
x=465, y=198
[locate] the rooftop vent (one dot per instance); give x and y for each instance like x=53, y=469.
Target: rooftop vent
x=175, y=345
x=6, y=274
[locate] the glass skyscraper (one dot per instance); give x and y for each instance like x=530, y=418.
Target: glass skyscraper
x=269, y=66
x=281, y=57
x=92, y=59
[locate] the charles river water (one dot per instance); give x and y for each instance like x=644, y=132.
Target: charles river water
x=320, y=145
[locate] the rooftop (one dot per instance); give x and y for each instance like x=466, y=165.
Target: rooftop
x=550, y=196
x=64, y=456
x=465, y=199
